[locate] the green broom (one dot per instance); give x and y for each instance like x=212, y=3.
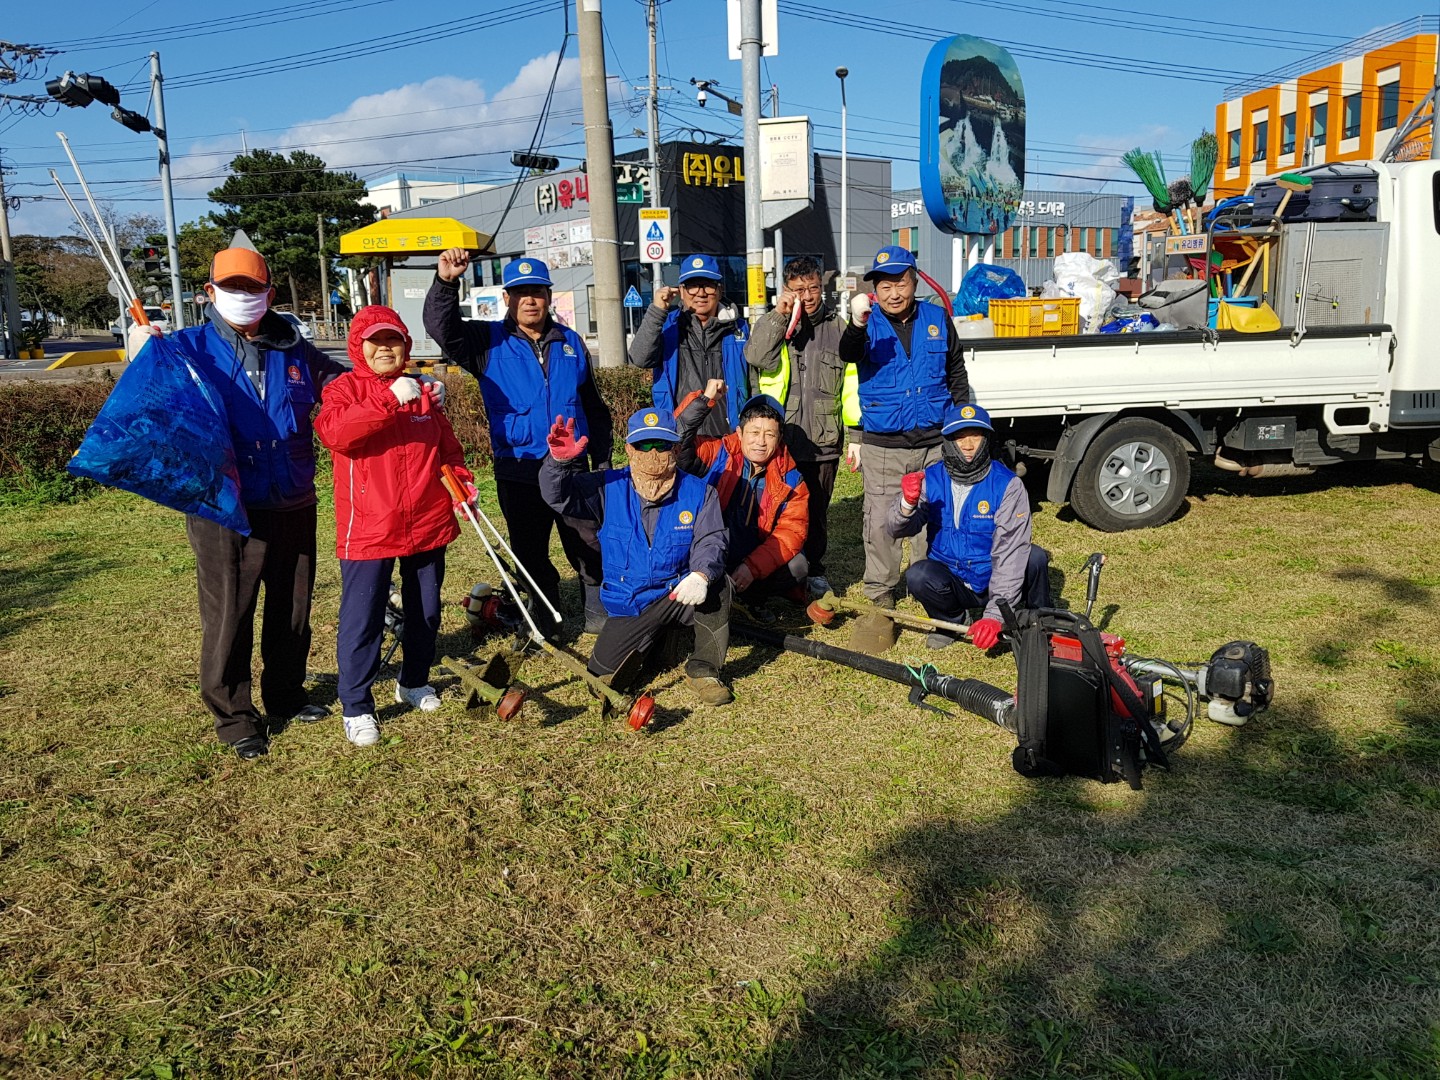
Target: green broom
x=1151, y=171
x=1204, y=152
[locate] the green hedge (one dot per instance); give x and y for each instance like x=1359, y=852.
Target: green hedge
x=42, y=423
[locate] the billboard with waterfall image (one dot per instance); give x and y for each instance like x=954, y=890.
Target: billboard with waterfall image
x=972, y=136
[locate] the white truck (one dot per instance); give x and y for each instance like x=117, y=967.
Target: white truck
x=1353, y=375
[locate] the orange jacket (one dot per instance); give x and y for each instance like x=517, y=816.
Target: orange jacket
x=785, y=505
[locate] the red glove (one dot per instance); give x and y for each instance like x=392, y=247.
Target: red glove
x=911, y=485
x=562, y=442
x=984, y=633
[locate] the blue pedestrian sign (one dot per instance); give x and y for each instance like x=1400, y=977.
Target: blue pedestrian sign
x=655, y=233
x=632, y=298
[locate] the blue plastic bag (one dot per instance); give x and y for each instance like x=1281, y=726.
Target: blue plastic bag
x=164, y=434
x=985, y=282
x=1131, y=324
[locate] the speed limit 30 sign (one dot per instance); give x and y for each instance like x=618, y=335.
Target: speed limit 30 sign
x=655, y=234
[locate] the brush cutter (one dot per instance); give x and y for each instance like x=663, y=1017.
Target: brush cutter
x=637, y=711
x=824, y=610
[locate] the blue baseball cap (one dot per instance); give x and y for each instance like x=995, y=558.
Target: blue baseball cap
x=764, y=399
x=960, y=417
x=651, y=423
x=699, y=266
x=890, y=260
x=525, y=272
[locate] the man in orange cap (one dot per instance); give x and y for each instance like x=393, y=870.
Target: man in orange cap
x=270, y=379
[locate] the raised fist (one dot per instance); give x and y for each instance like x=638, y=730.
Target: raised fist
x=911, y=484
x=714, y=388
x=453, y=262
x=666, y=296
x=860, y=309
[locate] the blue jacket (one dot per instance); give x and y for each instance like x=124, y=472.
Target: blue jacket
x=522, y=400
x=900, y=391
x=274, y=445
x=966, y=550
x=639, y=571
x=733, y=368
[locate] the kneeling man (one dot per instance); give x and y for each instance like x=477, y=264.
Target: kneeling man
x=662, y=547
x=977, y=520
x=763, y=499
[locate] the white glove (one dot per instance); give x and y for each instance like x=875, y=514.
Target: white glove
x=692, y=589
x=860, y=309
x=852, y=456
x=137, y=337
x=405, y=389
x=436, y=388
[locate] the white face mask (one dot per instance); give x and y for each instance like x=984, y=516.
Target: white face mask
x=241, y=308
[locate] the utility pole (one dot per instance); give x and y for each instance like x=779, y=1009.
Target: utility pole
x=177, y=303
x=843, y=290
x=657, y=276
x=600, y=165
x=324, y=276
x=10, y=344
x=779, y=232
x=750, y=46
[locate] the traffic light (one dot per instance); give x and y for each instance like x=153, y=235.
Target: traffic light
x=77, y=91
x=132, y=120
x=538, y=162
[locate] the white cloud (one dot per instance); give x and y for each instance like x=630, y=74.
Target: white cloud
x=447, y=124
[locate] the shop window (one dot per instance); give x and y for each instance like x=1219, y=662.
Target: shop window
x=1351, y=130
x=1262, y=139
x=1389, y=106
x=1232, y=148
x=1287, y=134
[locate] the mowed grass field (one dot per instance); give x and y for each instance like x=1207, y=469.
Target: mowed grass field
x=819, y=881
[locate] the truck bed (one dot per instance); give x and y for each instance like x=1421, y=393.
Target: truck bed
x=1184, y=369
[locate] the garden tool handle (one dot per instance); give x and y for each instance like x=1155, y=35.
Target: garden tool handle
x=137, y=312
x=452, y=483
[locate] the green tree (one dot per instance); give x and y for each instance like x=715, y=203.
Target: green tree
x=198, y=242
x=278, y=200
x=59, y=275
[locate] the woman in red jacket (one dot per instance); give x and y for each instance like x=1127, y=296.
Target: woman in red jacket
x=388, y=438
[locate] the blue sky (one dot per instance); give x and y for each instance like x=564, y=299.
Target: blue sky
x=380, y=86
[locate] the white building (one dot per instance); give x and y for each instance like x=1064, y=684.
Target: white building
x=400, y=191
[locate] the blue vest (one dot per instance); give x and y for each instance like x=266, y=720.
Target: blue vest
x=637, y=571
x=734, y=370
x=522, y=400
x=274, y=447
x=965, y=550
x=902, y=391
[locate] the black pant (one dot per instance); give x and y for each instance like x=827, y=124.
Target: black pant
x=819, y=477
x=625, y=634
x=945, y=597
x=529, y=519
x=229, y=570
x=364, y=590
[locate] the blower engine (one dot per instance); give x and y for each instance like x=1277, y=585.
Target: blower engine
x=1236, y=681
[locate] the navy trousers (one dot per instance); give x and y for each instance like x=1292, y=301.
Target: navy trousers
x=945, y=597
x=364, y=589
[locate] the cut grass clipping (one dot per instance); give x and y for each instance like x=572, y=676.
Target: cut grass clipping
x=819, y=881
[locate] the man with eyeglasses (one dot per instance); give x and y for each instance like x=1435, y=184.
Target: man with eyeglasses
x=704, y=340
x=911, y=368
x=804, y=373
x=662, y=548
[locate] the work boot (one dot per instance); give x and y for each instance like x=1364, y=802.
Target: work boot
x=873, y=635
x=595, y=613
x=709, y=690
x=940, y=639
x=819, y=585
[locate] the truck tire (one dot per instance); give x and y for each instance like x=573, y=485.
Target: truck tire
x=1134, y=475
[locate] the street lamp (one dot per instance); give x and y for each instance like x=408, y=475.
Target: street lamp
x=78, y=91
x=840, y=73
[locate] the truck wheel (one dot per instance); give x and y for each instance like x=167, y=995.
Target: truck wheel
x=1133, y=476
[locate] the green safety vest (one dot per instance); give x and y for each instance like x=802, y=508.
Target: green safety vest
x=777, y=384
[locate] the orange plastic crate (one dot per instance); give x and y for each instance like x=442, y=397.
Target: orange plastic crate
x=1026, y=317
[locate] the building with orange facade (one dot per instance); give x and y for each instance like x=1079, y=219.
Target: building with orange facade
x=1343, y=105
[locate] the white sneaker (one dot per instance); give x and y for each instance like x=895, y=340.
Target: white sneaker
x=362, y=730
x=423, y=698
x=819, y=586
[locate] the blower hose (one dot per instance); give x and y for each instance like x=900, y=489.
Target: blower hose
x=983, y=700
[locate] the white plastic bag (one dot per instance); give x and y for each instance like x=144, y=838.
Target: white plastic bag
x=1090, y=279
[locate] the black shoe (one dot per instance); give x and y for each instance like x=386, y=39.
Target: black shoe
x=248, y=749
x=310, y=714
